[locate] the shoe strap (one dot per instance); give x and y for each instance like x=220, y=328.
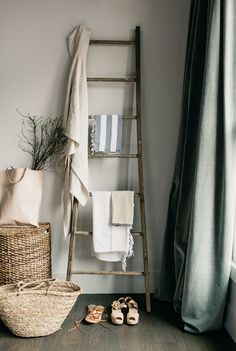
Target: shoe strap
x=117, y=305
x=96, y=312
x=131, y=303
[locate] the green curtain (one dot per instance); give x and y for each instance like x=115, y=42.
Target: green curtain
x=198, y=242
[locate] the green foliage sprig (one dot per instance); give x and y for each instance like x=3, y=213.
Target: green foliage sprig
x=43, y=139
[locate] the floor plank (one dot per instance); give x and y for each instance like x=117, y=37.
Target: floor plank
x=161, y=330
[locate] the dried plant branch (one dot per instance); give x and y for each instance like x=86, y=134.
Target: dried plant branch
x=43, y=139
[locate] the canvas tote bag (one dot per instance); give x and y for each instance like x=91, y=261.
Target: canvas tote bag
x=20, y=196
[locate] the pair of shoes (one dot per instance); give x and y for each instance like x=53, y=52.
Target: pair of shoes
x=117, y=315
x=96, y=312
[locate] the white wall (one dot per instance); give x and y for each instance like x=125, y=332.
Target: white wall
x=34, y=65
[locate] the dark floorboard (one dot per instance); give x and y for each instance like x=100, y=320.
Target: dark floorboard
x=160, y=330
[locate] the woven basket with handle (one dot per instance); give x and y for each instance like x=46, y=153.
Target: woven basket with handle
x=36, y=308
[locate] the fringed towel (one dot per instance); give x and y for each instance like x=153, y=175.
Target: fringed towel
x=76, y=124
x=122, y=207
x=110, y=243
x=106, y=133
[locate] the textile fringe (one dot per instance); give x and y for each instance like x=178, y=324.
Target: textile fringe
x=130, y=252
x=92, y=134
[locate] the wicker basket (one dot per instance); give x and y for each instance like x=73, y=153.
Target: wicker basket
x=38, y=308
x=25, y=253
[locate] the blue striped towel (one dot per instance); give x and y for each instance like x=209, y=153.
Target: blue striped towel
x=106, y=134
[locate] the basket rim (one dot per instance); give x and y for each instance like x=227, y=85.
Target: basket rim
x=26, y=230
x=45, y=293
x=12, y=289
x=23, y=226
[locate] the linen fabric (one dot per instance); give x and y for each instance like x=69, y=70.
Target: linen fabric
x=110, y=243
x=200, y=226
x=76, y=125
x=122, y=207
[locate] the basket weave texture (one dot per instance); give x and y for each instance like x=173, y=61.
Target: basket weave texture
x=25, y=253
x=31, y=309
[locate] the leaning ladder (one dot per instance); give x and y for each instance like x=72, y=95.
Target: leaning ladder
x=139, y=156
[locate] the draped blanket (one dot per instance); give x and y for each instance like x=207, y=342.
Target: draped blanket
x=76, y=125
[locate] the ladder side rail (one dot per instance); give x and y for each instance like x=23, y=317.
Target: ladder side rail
x=140, y=167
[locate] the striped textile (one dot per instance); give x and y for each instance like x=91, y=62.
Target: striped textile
x=107, y=133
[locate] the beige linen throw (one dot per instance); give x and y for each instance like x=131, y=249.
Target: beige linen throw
x=122, y=207
x=76, y=125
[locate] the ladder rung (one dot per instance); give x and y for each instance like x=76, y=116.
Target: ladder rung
x=125, y=80
x=123, y=116
x=85, y=233
x=111, y=42
x=136, y=194
x=107, y=272
x=112, y=155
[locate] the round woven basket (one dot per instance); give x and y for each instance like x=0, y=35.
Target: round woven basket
x=25, y=253
x=31, y=309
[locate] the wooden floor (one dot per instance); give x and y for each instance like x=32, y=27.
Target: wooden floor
x=160, y=330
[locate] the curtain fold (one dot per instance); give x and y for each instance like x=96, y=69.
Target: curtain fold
x=197, y=250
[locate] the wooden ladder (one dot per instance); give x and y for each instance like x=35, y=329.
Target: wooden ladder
x=139, y=156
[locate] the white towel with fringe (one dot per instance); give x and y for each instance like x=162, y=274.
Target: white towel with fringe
x=110, y=243
x=76, y=125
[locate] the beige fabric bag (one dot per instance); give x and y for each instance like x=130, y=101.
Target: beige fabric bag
x=20, y=196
